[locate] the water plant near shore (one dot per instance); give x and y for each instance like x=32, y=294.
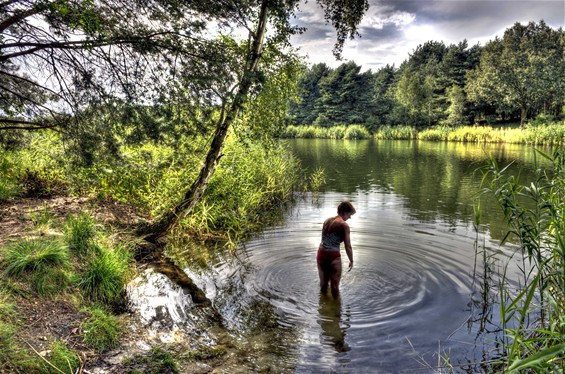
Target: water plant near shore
x=537, y=132
x=532, y=315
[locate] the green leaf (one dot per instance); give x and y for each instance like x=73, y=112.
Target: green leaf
x=539, y=358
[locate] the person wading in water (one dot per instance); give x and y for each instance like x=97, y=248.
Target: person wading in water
x=334, y=232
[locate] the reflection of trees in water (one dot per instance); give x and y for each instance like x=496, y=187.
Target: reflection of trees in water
x=439, y=180
x=334, y=329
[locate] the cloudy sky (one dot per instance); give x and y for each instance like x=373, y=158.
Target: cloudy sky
x=392, y=29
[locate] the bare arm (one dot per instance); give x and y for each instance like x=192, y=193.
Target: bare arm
x=347, y=244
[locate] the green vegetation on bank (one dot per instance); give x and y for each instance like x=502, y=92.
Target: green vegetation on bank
x=73, y=259
x=45, y=267
x=532, y=312
x=152, y=177
x=538, y=132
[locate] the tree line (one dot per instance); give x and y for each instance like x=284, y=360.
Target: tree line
x=510, y=79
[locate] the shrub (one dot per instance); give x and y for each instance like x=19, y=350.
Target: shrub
x=101, y=330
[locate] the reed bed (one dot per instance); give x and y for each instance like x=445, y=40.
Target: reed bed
x=535, y=133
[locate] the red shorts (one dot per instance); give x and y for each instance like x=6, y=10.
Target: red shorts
x=325, y=256
x=329, y=268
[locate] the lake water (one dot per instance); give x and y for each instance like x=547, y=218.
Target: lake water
x=414, y=298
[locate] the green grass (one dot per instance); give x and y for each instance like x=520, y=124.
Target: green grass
x=104, y=275
x=532, y=315
x=158, y=360
x=81, y=234
x=35, y=256
x=101, y=331
x=51, y=281
x=61, y=359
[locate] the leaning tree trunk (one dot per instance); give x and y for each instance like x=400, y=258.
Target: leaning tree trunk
x=160, y=227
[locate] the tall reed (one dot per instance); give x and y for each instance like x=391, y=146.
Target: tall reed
x=533, y=316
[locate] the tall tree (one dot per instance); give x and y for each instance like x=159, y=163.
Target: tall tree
x=522, y=70
x=303, y=112
x=344, y=95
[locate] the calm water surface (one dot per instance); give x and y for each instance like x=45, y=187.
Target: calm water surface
x=414, y=294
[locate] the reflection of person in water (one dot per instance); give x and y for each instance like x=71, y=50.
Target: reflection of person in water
x=330, y=321
x=334, y=232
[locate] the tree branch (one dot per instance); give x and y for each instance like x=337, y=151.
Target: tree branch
x=26, y=125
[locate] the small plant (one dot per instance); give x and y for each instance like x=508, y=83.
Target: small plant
x=157, y=360
x=104, y=276
x=80, y=234
x=35, y=256
x=101, y=330
x=42, y=217
x=317, y=179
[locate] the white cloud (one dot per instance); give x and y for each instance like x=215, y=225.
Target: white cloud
x=392, y=29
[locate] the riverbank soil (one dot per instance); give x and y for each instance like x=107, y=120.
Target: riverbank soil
x=43, y=320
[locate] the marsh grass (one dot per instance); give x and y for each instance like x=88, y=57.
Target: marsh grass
x=537, y=132
x=35, y=256
x=103, y=277
x=101, y=330
x=396, y=133
x=248, y=191
x=356, y=132
x=532, y=316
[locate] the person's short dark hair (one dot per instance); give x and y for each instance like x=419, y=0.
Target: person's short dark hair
x=345, y=207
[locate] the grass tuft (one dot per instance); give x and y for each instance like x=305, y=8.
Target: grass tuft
x=104, y=276
x=35, y=256
x=61, y=360
x=80, y=234
x=101, y=330
x=51, y=281
x=157, y=360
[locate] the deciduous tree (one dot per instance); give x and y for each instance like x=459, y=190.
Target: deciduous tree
x=522, y=70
